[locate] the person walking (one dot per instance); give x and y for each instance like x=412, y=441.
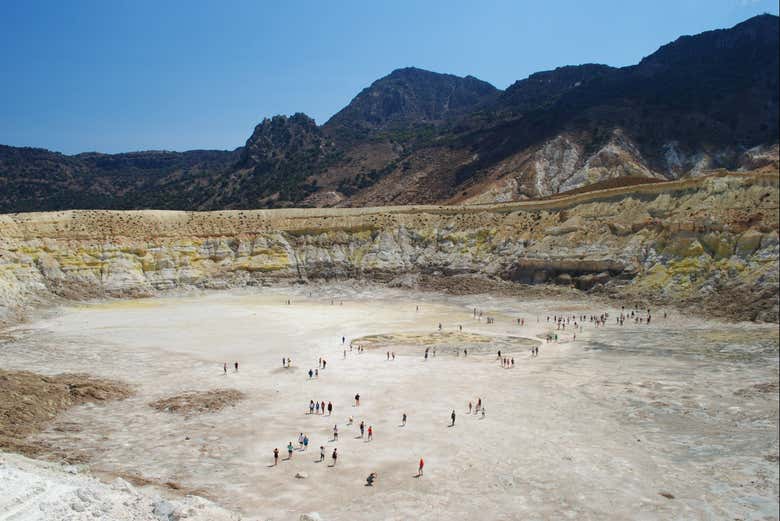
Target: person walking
x=224, y=368
x=362, y=429
x=335, y=433
x=322, y=453
x=330, y=408
x=289, y=450
x=403, y=420
x=276, y=456
x=334, y=456
x=452, y=417
x=357, y=400
x=305, y=442
x=420, y=467
x=370, y=433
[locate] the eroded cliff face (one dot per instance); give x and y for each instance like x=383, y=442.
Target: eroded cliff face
x=708, y=242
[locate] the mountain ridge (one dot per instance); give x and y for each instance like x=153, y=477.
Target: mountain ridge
x=699, y=103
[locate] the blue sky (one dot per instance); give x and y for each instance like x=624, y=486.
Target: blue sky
x=115, y=76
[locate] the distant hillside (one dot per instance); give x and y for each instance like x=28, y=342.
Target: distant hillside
x=699, y=103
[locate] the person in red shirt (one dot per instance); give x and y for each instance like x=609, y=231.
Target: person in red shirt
x=420, y=468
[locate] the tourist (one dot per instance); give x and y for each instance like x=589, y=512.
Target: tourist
x=370, y=432
x=311, y=406
x=322, y=453
x=323, y=408
x=335, y=433
x=300, y=441
x=334, y=456
x=403, y=420
x=330, y=408
x=224, y=368
x=470, y=407
x=311, y=373
x=289, y=450
x=362, y=429
x=305, y=442
x=452, y=416
x=357, y=400
x=276, y=457
x=420, y=467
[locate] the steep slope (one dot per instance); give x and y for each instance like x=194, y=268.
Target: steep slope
x=275, y=165
x=698, y=104
x=710, y=243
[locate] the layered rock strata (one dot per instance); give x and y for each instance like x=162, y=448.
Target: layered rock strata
x=710, y=242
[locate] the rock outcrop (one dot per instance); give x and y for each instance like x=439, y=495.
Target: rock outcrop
x=709, y=242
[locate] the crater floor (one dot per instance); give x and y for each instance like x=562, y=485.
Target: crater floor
x=677, y=419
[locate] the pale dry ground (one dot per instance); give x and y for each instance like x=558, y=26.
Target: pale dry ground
x=594, y=429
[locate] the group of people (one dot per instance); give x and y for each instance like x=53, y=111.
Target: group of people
x=315, y=373
x=320, y=407
x=478, y=409
x=225, y=367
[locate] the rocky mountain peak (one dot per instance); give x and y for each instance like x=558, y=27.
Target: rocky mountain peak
x=412, y=96
x=280, y=136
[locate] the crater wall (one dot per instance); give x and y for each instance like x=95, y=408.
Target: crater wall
x=708, y=243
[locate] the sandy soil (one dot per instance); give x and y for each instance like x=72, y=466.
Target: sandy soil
x=676, y=420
